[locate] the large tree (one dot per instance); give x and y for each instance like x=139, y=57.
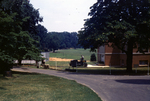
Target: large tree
x=10, y=30
x=27, y=42
x=121, y=22
x=7, y=39
x=17, y=41
x=42, y=33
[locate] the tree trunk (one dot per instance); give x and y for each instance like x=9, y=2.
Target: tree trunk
x=6, y=69
x=19, y=62
x=129, y=55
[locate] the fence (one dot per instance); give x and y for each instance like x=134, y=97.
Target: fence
x=26, y=61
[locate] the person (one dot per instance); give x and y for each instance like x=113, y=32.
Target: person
x=82, y=58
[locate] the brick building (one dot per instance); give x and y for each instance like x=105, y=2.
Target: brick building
x=115, y=57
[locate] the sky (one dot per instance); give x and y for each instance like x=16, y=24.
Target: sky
x=63, y=15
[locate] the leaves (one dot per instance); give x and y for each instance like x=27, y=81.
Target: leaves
x=115, y=20
x=18, y=20
x=124, y=23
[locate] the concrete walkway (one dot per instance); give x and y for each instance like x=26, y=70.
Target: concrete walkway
x=96, y=66
x=108, y=87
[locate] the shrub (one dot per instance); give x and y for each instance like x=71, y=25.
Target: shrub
x=93, y=57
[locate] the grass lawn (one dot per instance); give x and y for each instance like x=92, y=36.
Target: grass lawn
x=73, y=54
x=70, y=54
x=114, y=71
x=39, y=87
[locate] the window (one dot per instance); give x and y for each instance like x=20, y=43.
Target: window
x=143, y=63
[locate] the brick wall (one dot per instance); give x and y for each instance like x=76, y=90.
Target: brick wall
x=115, y=57
x=123, y=59
x=109, y=49
x=112, y=59
x=138, y=57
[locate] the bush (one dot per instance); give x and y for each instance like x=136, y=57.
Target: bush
x=93, y=57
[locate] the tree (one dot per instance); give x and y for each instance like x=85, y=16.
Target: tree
x=74, y=40
x=42, y=33
x=17, y=41
x=121, y=22
x=7, y=39
x=52, y=42
x=59, y=40
x=29, y=18
x=10, y=29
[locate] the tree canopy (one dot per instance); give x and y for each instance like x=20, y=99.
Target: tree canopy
x=18, y=22
x=56, y=40
x=125, y=23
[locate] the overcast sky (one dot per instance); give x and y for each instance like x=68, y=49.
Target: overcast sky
x=63, y=15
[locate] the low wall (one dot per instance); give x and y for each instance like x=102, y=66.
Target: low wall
x=26, y=61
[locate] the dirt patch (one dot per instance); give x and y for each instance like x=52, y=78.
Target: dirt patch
x=58, y=59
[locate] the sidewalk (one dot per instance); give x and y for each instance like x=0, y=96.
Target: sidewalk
x=89, y=65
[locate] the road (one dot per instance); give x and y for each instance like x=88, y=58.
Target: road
x=108, y=87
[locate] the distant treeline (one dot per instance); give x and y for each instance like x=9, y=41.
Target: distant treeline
x=51, y=41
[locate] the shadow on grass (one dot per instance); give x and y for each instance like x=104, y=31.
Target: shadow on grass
x=2, y=77
x=1, y=88
x=24, y=73
x=135, y=81
x=15, y=72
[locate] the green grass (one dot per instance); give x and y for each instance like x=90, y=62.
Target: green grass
x=62, y=65
x=73, y=54
x=114, y=71
x=70, y=54
x=39, y=87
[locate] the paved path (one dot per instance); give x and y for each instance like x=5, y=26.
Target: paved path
x=108, y=87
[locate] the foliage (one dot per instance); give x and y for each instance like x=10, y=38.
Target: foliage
x=18, y=21
x=8, y=38
x=29, y=42
x=93, y=57
x=42, y=34
x=57, y=40
x=125, y=23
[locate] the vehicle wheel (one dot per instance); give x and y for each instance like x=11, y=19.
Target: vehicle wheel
x=70, y=63
x=85, y=64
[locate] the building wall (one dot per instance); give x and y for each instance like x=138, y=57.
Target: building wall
x=115, y=57
x=112, y=55
x=109, y=49
x=102, y=49
x=112, y=59
x=140, y=57
x=101, y=53
x=123, y=59
x=45, y=55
